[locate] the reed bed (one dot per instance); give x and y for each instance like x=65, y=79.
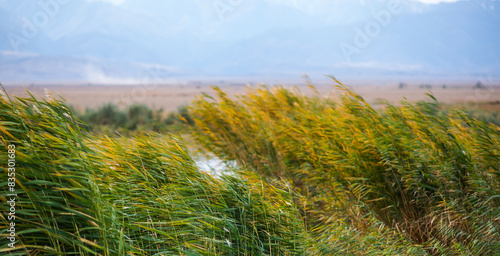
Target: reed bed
x=84, y=194
x=316, y=176
x=407, y=180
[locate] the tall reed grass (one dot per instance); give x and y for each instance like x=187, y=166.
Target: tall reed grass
x=424, y=179
x=318, y=177
x=81, y=194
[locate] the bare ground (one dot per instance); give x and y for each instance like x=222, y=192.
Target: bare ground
x=169, y=97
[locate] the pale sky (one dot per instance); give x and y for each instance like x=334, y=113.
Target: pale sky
x=117, y=2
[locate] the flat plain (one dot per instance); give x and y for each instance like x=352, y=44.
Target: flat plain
x=170, y=96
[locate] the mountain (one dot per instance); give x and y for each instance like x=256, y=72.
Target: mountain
x=83, y=40
x=29, y=67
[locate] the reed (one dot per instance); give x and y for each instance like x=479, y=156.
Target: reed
x=316, y=176
x=56, y=209
x=85, y=194
x=414, y=171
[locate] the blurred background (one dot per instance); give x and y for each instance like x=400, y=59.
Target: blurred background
x=115, y=41
x=167, y=51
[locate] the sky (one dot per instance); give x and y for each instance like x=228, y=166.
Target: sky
x=118, y=2
x=102, y=40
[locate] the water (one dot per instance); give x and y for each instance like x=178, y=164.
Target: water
x=215, y=166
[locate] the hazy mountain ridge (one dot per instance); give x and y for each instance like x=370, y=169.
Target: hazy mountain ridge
x=29, y=67
x=443, y=39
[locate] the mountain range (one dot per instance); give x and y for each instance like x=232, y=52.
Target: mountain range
x=106, y=42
